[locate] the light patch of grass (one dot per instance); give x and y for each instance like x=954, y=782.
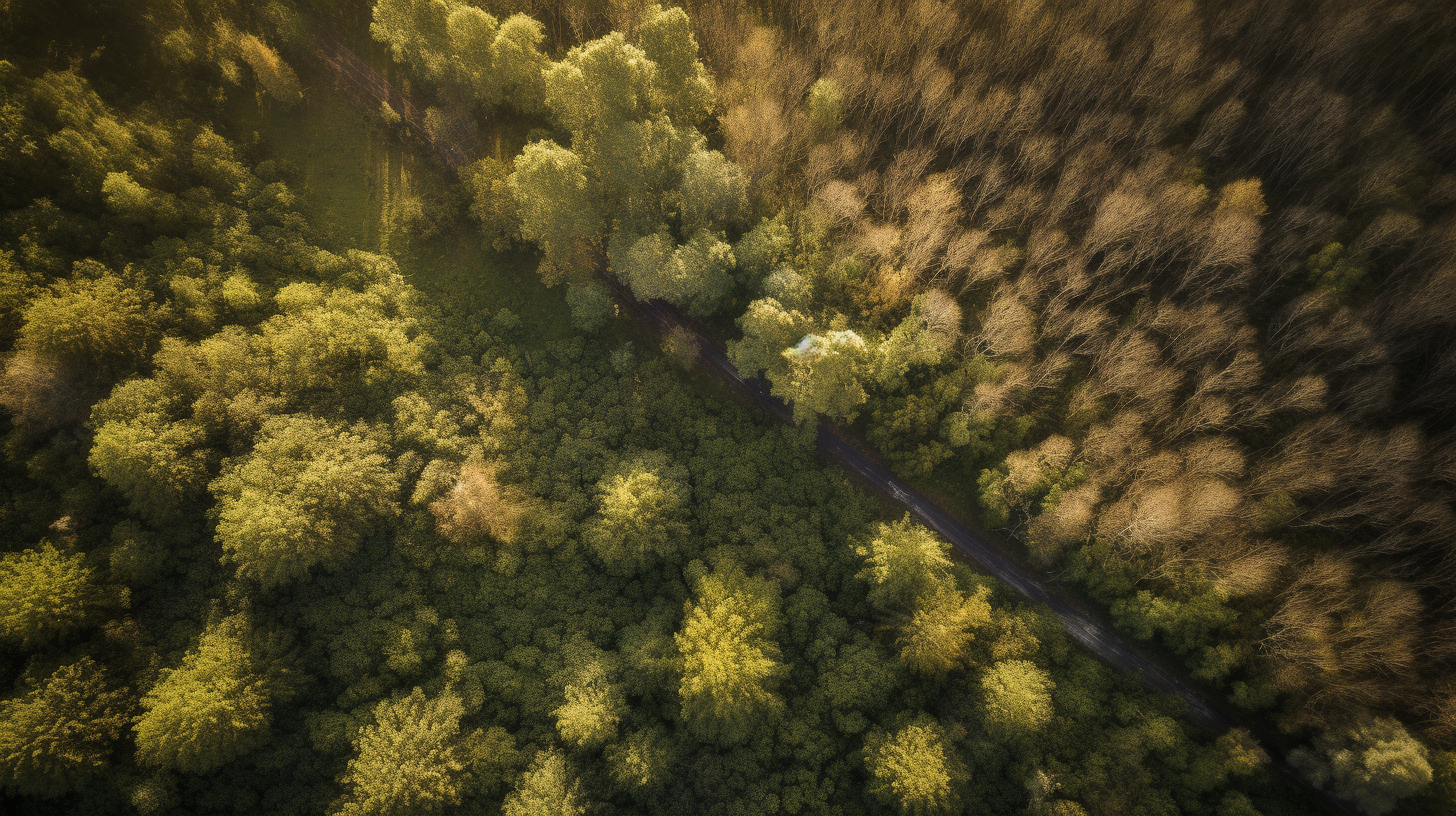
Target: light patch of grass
x=367, y=188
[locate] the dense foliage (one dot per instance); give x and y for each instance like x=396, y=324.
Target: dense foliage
x=280, y=532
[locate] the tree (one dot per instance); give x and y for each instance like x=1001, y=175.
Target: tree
x=681, y=86
x=96, y=323
x=61, y=731
x=714, y=192
x=825, y=375
x=1372, y=763
x=1018, y=700
x=922, y=338
x=209, y=710
x=641, y=513
x=478, y=504
x=593, y=707
x=547, y=789
x=492, y=203
x=600, y=85
x=158, y=464
x=912, y=768
x=557, y=205
x=304, y=496
x=408, y=760
x=729, y=660
x=768, y=328
x=938, y=637
x=44, y=594
x=344, y=347
x=696, y=275
x=906, y=562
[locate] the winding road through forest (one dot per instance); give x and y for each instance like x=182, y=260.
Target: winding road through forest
x=1095, y=635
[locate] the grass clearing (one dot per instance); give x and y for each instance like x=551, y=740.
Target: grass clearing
x=366, y=188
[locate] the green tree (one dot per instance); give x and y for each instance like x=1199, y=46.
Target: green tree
x=913, y=768
x=593, y=707
x=714, y=192
x=682, y=85
x=97, y=323
x=600, y=85
x=61, y=731
x=346, y=347
x=825, y=375
x=408, y=760
x=558, y=207
x=768, y=328
x=305, y=495
x=44, y=594
x=1018, y=700
x=696, y=275
x=547, y=789
x=905, y=562
x=209, y=710
x=641, y=513
x=1373, y=763
x=492, y=203
x=729, y=661
x=937, y=639
x=159, y=464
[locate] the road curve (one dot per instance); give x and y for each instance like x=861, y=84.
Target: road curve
x=1098, y=638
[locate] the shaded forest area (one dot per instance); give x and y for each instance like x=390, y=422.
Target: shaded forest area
x=1163, y=289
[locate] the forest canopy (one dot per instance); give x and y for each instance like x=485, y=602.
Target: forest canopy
x=358, y=461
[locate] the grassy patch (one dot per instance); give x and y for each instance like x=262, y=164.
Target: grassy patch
x=367, y=188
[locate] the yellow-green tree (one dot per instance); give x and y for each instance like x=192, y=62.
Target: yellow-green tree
x=44, y=594
x=209, y=710
x=60, y=732
x=913, y=769
x=729, y=660
x=905, y=562
x=641, y=513
x=938, y=637
x=304, y=496
x=546, y=789
x=1018, y=700
x=408, y=760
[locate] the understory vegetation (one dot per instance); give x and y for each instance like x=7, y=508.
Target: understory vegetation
x=337, y=481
